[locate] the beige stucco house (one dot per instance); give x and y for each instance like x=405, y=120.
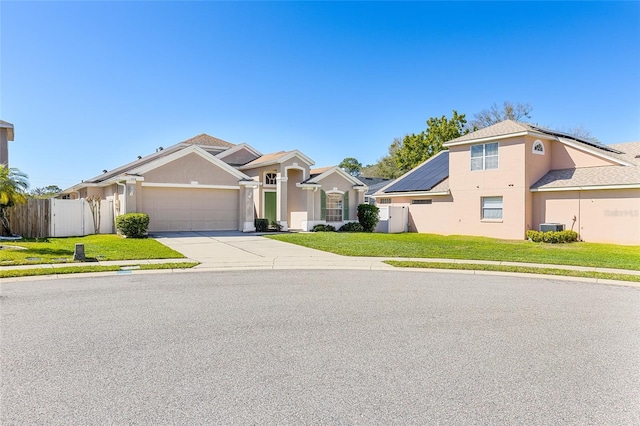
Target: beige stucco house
x=6, y=135
x=502, y=180
x=205, y=183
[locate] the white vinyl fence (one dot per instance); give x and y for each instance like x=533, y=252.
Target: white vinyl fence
x=393, y=219
x=73, y=218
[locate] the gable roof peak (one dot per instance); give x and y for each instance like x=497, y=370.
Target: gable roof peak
x=207, y=140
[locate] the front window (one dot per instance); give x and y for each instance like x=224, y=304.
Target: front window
x=270, y=178
x=334, y=207
x=492, y=208
x=485, y=156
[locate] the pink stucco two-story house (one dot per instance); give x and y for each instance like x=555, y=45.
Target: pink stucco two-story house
x=502, y=180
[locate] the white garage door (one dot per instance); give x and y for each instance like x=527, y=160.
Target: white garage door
x=172, y=209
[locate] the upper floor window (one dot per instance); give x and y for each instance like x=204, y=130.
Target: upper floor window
x=484, y=156
x=538, y=147
x=270, y=178
x=384, y=201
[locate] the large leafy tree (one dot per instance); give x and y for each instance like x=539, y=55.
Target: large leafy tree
x=495, y=114
x=13, y=190
x=418, y=148
x=351, y=166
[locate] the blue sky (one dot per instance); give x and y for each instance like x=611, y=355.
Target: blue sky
x=92, y=85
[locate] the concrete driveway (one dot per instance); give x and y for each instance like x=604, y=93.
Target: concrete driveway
x=237, y=250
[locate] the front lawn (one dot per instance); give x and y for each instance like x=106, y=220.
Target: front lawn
x=96, y=247
x=464, y=247
x=518, y=269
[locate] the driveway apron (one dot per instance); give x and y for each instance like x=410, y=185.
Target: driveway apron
x=237, y=250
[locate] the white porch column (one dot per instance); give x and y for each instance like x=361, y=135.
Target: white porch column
x=310, y=193
x=361, y=190
x=281, y=201
x=247, y=205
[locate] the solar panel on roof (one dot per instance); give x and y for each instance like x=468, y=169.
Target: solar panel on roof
x=425, y=177
x=567, y=135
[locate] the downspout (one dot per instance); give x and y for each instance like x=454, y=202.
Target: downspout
x=313, y=203
x=579, y=218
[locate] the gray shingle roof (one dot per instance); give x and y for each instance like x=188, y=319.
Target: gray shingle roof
x=589, y=176
x=202, y=140
x=597, y=176
x=508, y=127
x=207, y=140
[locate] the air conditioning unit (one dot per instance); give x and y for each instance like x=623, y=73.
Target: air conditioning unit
x=546, y=227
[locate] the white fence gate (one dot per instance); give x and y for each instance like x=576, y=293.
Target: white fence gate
x=393, y=219
x=73, y=218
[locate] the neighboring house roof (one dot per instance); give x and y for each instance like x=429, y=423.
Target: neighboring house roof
x=9, y=127
x=429, y=177
x=510, y=128
x=319, y=174
x=374, y=184
x=596, y=177
x=206, y=140
x=145, y=164
x=271, y=158
x=581, y=178
x=236, y=148
x=132, y=165
x=202, y=139
x=276, y=158
x=630, y=151
x=319, y=171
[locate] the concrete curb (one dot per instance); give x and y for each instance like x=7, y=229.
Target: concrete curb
x=319, y=263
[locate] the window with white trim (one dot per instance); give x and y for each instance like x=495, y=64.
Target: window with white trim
x=538, y=147
x=491, y=208
x=270, y=178
x=484, y=156
x=384, y=201
x=334, y=208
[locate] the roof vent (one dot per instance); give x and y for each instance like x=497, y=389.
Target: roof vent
x=104, y=171
x=159, y=149
x=139, y=157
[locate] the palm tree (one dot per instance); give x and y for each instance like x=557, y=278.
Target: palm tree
x=13, y=189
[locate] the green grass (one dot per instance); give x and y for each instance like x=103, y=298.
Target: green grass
x=464, y=247
x=98, y=247
x=91, y=268
x=519, y=269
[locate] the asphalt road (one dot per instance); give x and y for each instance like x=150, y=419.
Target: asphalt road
x=319, y=347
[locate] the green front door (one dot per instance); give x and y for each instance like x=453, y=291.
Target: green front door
x=270, y=206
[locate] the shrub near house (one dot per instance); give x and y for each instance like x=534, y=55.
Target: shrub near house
x=552, y=236
x=133, y=225
x=368, y=216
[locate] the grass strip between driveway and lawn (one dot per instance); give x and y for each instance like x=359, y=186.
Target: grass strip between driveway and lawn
x=96, y=247
x=517, y=269
x=13, y=273
x=413, y=245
